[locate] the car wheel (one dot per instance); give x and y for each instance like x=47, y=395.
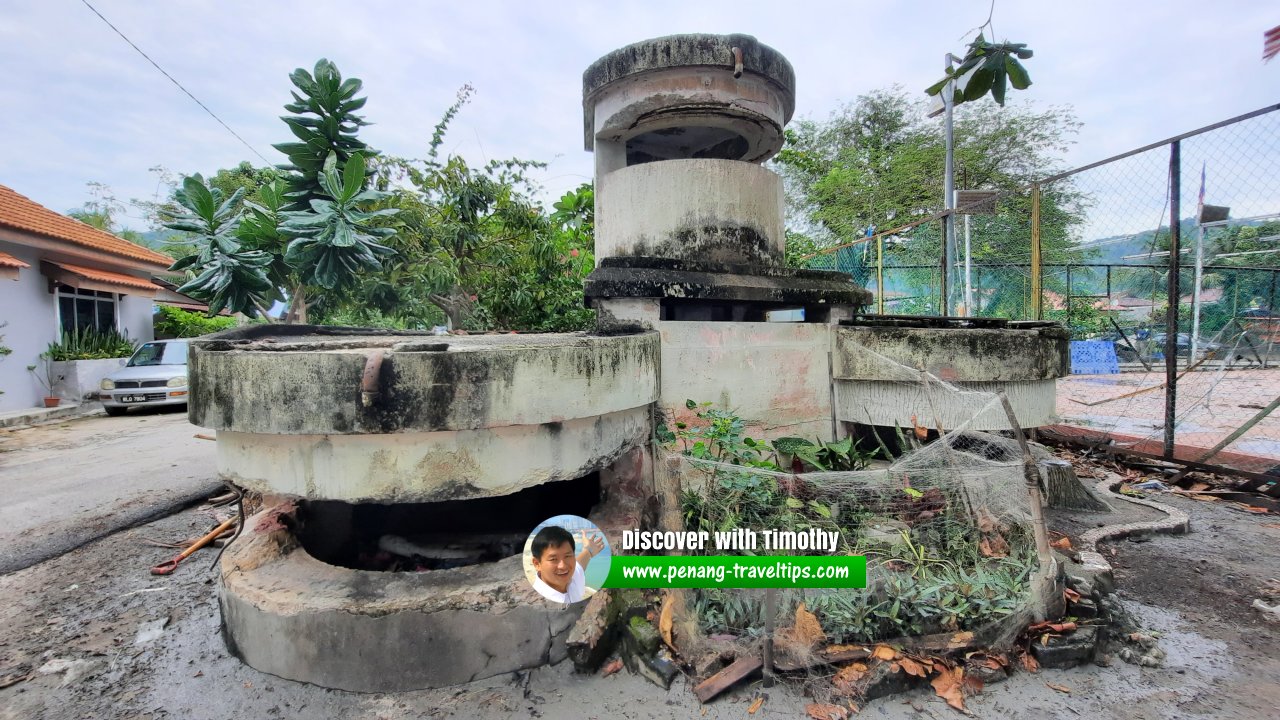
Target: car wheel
x=115, y=411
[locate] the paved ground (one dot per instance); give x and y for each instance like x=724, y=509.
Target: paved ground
x=64, y=484
x=1211, y=403
x=118, y=644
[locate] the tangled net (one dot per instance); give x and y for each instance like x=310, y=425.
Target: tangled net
x=947, y=529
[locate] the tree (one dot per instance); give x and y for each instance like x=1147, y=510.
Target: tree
x=477, y=248
x=315, y=228
x=102, y=211
x=879, y=162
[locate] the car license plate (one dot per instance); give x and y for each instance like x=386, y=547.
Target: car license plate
x=133, y=398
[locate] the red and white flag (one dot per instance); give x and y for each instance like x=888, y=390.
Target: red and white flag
x=1271, y=43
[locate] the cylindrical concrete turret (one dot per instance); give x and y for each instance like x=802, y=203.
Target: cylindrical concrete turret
x=685, y=213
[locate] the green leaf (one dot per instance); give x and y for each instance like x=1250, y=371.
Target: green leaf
x=352, y=177
x=794, y=503
x=789, y=445
x=979, y=83
x=998, y=86
x=842, y=447
x=690, y=405
x=1018, y=77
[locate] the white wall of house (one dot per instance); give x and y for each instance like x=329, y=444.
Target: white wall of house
x=31, y=312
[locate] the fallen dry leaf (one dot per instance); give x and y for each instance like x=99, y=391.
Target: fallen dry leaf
x=949, y=685
x=911, y=667
x=755, y=705
x=1071, y=595
x=1063, y=543
x=961, y=639
x=1254, y=508
x=826, y=711
x=994, y=547
x=884, y=652
x=1029, y=663
x=611, y=667
x=1273, y=526
x=847, y=677
x=1059, y=688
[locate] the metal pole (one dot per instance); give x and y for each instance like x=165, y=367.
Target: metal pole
x=1271, y=313
x=948, y=193
x=1037, y=294
x=1069, y=324
x=1173, y=294
x=1195, y=296
x=770, y=610
x=880, y=274
x=968, y=270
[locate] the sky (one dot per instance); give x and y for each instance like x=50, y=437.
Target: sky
x=80, y=105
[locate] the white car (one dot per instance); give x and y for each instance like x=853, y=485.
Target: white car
x=155, y=375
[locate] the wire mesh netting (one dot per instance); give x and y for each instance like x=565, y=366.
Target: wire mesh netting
x=1091, y=248
x=947, y=527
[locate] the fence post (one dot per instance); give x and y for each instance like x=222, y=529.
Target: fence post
x=879, y=274
x=1174, y=295
x=1037, y=294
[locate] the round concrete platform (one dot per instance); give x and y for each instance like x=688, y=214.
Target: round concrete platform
x=303, y=380
x=288, y=614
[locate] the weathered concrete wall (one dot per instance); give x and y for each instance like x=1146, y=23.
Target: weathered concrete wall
x=428, y=466
x=968, y=354
x=426, y=384
x=676, y=106
x=776, y=376
x=288, y=614
x=648, y=81
x=706, y=210
x=877, y=381
x=81, y=378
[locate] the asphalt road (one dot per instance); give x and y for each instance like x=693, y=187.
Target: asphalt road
x=66, y=484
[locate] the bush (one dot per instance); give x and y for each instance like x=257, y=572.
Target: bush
x=179, y=323
x=91, y=344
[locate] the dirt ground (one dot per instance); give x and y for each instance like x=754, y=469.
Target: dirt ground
x=96, y=636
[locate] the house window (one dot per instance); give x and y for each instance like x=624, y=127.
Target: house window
x=79, y=309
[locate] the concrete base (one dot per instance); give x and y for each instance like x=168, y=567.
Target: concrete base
x=290, y=615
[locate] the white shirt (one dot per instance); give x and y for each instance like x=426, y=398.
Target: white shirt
x=572, y=594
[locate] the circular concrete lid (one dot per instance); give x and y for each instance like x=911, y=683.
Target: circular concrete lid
x=699, y=49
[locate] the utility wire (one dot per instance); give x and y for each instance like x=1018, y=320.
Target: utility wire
x=175, y=82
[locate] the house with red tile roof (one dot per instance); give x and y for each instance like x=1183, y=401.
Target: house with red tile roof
x=58, y=274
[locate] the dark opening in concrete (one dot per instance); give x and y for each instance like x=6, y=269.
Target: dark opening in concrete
x=682, y=143
x=439, y=535
x=681, y=309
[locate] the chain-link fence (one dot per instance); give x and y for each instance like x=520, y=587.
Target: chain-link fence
x=1175, y=326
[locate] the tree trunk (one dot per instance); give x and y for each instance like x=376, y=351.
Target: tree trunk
x=297, y=310
x=1064, y=490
